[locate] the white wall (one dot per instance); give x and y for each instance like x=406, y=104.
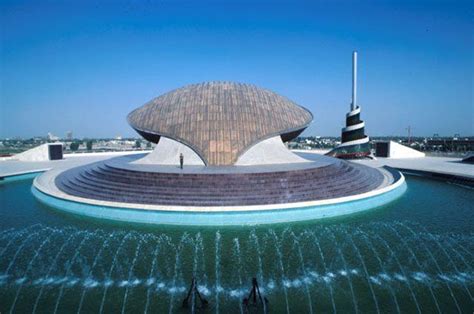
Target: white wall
x=269, y=151
x=167, y=153
x=400, y=151
x=39, y=153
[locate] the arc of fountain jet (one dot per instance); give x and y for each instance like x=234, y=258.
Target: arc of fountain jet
x=281, y=267
x=417, y=262
x=440, y=272
x=150, y=276
x=448, y=257
x=370, y=245
x=407, y=282
x=254, y=239
x=6, y=232
x=176, y=272
x=13, y=234
x=463, y=248
x=217, y=268
x=130, y=274
x=303, y=270
x=68, y=270
x=202, y=261
x=112, y=267
x=238, y=258
x=17, y=235
x=364, y=267
x=54, y=264
x=323, y=260
x=94, y=263
x=30, y=265
x=344, y=263
x=20, y=248
x=450, y=243
x=202, y=265
x=195, y=265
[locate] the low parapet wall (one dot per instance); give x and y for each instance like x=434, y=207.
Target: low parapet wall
x=254, y=215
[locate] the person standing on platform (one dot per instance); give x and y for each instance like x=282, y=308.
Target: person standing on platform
x=181, y=160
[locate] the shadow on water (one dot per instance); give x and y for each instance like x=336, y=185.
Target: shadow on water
x=413, y=255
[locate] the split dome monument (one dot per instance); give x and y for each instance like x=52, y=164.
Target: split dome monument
x=237, y=169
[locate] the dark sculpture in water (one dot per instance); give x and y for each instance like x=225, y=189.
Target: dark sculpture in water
x=191, y=297
x=252, y=300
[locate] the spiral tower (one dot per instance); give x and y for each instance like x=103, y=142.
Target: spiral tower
x=354, y=142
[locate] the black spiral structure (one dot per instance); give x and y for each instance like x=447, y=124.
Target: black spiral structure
x=354, y=142
x=354, y=130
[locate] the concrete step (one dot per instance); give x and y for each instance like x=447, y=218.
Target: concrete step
x=103, y=182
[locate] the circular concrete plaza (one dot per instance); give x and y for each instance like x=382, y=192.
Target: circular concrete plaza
x=220, y=159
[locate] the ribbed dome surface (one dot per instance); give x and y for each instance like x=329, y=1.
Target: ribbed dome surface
x=219, y=120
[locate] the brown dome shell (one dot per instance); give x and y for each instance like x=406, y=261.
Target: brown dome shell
x=219, y=120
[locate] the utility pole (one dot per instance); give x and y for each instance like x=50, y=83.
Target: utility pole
x=409, y=134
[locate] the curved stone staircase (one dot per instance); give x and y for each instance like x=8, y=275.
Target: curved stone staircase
x=102, y=181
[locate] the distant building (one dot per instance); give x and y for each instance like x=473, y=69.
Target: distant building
x=69, y=135
x=52, y=137
x=455, y=144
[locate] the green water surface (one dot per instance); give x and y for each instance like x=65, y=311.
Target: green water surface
x=413, y=255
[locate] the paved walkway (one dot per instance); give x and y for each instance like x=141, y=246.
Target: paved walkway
x=15, y=167
x=127, y=163
x=442, y=165
x=125, y=160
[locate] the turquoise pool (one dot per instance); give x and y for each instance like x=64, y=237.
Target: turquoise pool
x=415, y=254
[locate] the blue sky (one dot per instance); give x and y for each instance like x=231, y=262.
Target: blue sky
x=83, y=66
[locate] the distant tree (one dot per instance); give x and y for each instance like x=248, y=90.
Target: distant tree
x=148, y=144
x=138, y=144
x=74, y=146
x=89, y=145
